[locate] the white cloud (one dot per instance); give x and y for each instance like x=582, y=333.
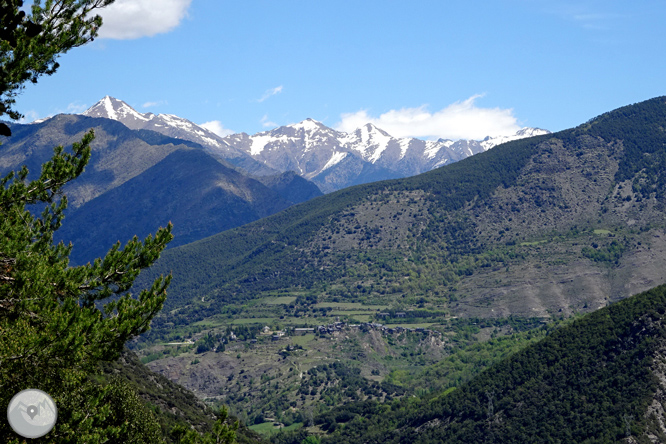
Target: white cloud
x=266, y=123
x=588, y=15
x=153, y=104
x=270, y=92
x=72, y=108
x=76, y=108
x=460, y=120
x=217, y=127
x=132, y=19
x=599, y=22
x=29, y=116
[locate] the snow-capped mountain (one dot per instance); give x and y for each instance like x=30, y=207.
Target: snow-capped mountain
x=177, y=127
x=523, y=133
x=316, y=151
x=166, y=124
x=331, y=159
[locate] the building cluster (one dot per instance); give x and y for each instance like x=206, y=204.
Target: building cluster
x=339, y=326
x=330, y=328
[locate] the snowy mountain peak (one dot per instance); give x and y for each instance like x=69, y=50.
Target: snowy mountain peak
x=522, y=133
x=335, y=159
x=531, y=132
x=115, y=109
x=332, y=159
x=308, y=125
x=372, y=129
x=369, y=135
x=167, y=124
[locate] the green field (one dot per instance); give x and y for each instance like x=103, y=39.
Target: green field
x=362, y=318
x=422, y=325
x=267, y=428
x=212, y=322
x=351, y=306
x=254, y=321
x=279, y=300
x=302, y=340
x=349, y=313
x=600, y=231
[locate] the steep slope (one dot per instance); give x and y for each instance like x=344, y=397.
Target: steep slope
x=540, y=227
x=349, y=169
x=138, y=180
x=176, y=127
x=171, y=403
x=119, y=153
x=189, y=188
x=291, y=186
x=598, y=380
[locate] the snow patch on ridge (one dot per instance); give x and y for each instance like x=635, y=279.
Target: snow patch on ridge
x=108, y=107
x=306, y=125
x=336, y=158
x=259, y=143
x=176, y=121
x=404, y=146
x=490, y=142
x=125, y=111
x=169, y=124
x=369, y=141
x=432, y=147
x=379, y=140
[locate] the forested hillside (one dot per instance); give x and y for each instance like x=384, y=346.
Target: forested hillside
x=538, y=227
x=170, y=403
x=598, y=380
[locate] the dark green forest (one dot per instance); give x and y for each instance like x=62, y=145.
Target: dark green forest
x=588, y=382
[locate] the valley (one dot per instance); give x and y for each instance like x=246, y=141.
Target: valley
x=366, y=239
x=294, y=308
x=260, y=357
x=479, y=259
x=398, y=338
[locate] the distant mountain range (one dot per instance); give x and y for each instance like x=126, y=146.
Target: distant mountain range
x=177, y=127
x=162, y=168
x=139, y=180
x=330, y=158
x=325, y=156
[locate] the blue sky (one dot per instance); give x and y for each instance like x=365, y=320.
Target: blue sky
x=453, y=69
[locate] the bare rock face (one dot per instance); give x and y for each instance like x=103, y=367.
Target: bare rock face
x=335, y=160
x=331, y=159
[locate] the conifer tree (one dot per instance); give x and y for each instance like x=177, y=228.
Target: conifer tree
x=224, y=432
x=31, y=43
x=57, y=322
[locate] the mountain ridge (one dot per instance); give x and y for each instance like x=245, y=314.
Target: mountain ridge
x=176, y=127
x=126, y=165
x=330, y=158
x=553, y=211
x=293, y=147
